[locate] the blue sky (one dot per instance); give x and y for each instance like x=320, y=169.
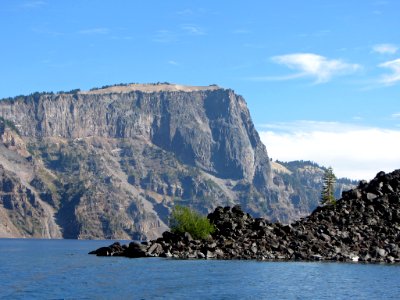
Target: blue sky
x=316, y=74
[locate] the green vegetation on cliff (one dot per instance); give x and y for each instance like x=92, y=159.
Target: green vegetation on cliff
x=8, y=123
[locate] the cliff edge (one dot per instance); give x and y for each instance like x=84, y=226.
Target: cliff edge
x=111, y=162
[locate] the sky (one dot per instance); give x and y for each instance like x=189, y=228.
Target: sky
x=321, y=78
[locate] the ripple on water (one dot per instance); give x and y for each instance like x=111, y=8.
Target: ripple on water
x=61, y=269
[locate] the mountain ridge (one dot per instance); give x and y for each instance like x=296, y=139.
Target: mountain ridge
x=111, y=164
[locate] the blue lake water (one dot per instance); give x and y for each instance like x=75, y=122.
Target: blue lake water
x=62, y=269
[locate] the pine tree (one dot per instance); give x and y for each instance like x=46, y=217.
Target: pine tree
x=328, y=187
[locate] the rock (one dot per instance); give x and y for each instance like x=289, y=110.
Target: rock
x=237, y=209
x=387, y=189
x=362, y=184
x=381, y=252
x=102, y=251
x=166, y=254
x=212, y=246
x=113, y=249
x=316, y=257
x=188, y=237
x=380, y=175
x=354, y=258
x=165, y=140
x=155, y=250
x=351, y=194
x=366, y=257
x=170, y=237
x=390, y=259
x=325, y=237
x=136, y=250
x=371, y=196
x=219, y=254
x=363, y=229
x=210, y=254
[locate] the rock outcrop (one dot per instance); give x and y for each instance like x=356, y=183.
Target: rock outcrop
x=111, y=162
x=23, y=213
x=302, y=183
x=363, y=226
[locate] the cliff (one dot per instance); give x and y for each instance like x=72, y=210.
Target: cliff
x=110, y=162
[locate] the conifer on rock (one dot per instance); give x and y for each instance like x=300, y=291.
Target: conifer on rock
x=328, y=187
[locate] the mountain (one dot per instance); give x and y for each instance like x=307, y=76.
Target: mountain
x=304, y=180
x=111, y=162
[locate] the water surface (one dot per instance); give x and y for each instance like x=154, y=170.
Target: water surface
x=61, y=269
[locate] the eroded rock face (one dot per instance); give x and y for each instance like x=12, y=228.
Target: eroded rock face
x=22, y=213
x=210, y=129
x=110, y=163
x=363, y=226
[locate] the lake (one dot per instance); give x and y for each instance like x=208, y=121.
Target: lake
x=62, y=269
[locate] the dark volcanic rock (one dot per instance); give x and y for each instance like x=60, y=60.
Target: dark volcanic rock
x=358, y=228
x=114, y=249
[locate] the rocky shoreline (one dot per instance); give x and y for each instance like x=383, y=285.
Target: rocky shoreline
x=363, y=226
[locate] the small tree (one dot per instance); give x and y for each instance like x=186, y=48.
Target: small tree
x=328, y=187
x=183, y=219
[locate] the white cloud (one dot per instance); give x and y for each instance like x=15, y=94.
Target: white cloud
x=276, y=78
x=98, y=30
x=309, y=125
x=396, y=116
x=319, y=33
x=173, y=62
x=185, y=12
x=385, y=48
x=353, y=151
x=33, y=4
x=394, y=65
x=316, y=66
x=165, y=36
x=169, y=36
x=193, y=29
x=241, y=31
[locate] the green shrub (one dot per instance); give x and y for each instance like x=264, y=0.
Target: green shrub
x=183, y=219
x=9, y=124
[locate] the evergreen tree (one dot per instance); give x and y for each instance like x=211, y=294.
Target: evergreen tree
x=328, y=187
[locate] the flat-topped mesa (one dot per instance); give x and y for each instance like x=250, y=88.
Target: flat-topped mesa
x=111, y=162
x=205, y=126
x=126, y=111
x=134, y=150
x=150, y=88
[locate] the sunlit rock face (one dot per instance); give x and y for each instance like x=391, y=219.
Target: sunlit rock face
x=111, y=162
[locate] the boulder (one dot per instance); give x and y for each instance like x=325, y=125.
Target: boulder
x=363, y=226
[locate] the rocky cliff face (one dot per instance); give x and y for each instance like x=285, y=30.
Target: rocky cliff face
x=109, y=163
x=208, y=128
x=302, y=182
x=22, y=212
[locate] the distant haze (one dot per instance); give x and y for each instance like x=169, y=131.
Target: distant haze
x=353, y=152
